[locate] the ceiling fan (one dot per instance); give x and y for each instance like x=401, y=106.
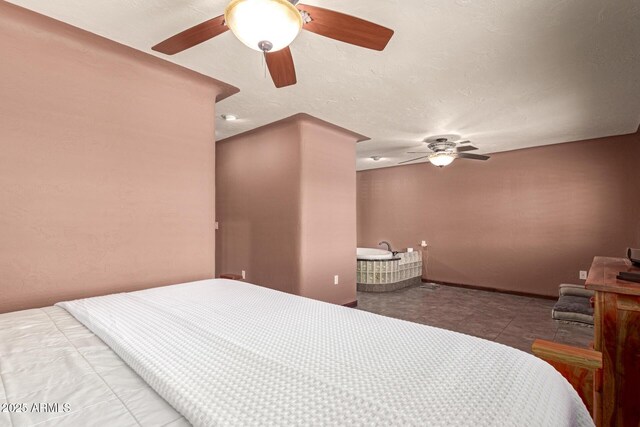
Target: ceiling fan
x=444, y=152
x=269, y=26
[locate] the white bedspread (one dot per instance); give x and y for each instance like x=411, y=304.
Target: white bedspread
x=55, y=372
x=228, y=353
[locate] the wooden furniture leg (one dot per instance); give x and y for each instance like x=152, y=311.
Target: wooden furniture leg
x=581, y=367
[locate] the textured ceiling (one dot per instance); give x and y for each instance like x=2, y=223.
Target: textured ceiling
x=505, y=74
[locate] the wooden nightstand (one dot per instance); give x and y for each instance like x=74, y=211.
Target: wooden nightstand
x=231, y=276
x=606, y=378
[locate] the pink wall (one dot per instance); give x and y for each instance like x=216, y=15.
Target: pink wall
x=525, y=220
x=258, y=206
x=286, y=207
x=328, y=215
x=107, y=166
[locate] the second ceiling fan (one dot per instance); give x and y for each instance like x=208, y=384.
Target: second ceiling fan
x=444, y=152
x=269, y=26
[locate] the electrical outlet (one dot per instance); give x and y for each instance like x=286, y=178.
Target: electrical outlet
x=335, y=280
x=423, y=244
x=244, y=274
x=217, y=225
x=583, y=275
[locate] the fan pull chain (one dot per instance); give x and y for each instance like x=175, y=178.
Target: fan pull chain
x=264, y=63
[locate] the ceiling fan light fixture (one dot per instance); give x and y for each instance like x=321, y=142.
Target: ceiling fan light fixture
x=264, y=25
x=441, y=159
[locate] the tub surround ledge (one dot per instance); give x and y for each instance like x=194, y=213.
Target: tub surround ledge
x=388, y=287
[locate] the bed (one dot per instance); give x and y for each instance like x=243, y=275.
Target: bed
x=223, y=352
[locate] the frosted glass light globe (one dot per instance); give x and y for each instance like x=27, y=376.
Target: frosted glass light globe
x=441, y=159
x=263, y=25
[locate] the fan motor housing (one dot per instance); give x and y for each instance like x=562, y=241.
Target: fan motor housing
x=441, y=145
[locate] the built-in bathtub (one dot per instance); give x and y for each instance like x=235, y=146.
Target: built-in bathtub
x=371, y=253
x=382, y=271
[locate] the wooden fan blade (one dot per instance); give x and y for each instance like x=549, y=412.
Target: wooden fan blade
x=462, y=148
x=346, y=28
x=281, y=68
x=473, y=156
x=192, y=36
x=417, y=158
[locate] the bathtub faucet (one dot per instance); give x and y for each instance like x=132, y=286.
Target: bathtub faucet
x=384, y=242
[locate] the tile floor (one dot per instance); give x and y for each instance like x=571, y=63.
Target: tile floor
x=508, y=319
